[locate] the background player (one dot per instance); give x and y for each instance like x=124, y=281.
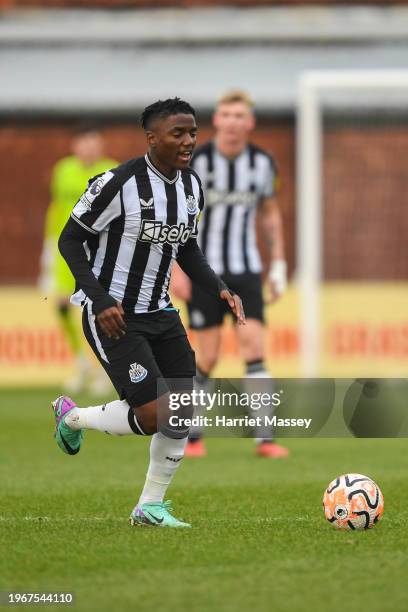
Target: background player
x=239, y=181
x=70, y=176
x=136, y=220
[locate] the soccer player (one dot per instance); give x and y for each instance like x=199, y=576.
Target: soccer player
x=69, y=178
x=239, y=180
x=135, y=221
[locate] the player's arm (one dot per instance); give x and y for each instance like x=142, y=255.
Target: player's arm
x=180, y=284
x=98, y=206
x=194, y=263
x=272, y=226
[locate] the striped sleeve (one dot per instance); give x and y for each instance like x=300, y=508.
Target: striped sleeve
x=99, y=204
x=199, y=196
x=272, y=179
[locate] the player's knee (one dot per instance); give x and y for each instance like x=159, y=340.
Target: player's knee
x=146, y=417
x=252, y=347
x=159, y=414
x=253, y=353
x=206, y=363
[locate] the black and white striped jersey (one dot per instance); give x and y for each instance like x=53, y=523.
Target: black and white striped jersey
x=137, y=218
x=233, y=190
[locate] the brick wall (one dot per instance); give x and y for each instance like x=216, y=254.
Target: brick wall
x=365, y=207
x=365, y=216
x=28, y=153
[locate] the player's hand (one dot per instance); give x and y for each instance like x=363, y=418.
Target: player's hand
x=112, y=322
x=180, y=284
x=277, y=278
x=235, y=303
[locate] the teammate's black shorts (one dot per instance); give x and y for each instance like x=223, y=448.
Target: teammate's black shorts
x=155, y=346
x=206, y=310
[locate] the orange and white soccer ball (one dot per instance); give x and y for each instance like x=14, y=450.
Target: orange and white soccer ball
x=353, y=501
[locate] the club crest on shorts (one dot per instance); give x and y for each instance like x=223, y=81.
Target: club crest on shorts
x=137, y=372
x=197, y=318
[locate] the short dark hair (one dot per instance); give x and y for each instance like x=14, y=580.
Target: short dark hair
x=165, y=108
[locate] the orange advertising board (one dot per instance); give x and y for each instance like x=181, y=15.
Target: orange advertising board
x=364, y=332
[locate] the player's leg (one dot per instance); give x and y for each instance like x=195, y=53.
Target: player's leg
x=175, y=359
x=132, y=367
x=207, y=348
x=206, y=315
x=121, y=361
x=251, y=340
x=64, y=286
x=251, y=343
x=166, y=452
x=207, y=344
x=69, y=327
x=166, y=447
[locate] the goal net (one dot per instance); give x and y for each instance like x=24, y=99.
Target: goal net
x=352, y=220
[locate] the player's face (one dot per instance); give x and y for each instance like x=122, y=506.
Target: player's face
x=233, y=122
x=172, y=140
x=88, y=147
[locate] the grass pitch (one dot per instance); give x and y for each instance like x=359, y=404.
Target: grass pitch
x=259, y=540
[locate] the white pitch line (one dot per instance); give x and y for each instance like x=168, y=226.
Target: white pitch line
x=90, y=519
x=40, y=519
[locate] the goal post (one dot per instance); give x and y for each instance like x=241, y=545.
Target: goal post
x=313, y=86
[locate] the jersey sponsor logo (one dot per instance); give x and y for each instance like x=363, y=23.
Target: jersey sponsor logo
x=148, y=204
x=137, y=372
x=95, y=189
x=192, y=205
x=213, y=197
x=158, y=232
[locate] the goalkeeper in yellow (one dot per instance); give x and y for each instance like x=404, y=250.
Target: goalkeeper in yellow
x=70, y=176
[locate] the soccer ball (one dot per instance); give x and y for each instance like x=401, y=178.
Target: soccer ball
x=353, y=501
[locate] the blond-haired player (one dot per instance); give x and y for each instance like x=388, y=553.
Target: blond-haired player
x=240, y=182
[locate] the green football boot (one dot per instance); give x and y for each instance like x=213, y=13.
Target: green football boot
x=156, y=514
x=69, y=440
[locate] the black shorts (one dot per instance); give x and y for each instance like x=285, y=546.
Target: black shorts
x=154, y=347
x=206, y=310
